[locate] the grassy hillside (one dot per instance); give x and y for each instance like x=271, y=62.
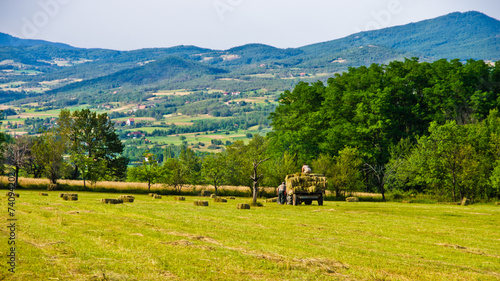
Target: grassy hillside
x=164, y=239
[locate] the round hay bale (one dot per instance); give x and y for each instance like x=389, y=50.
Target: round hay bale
x=220, y=200
x=352, y=199
x=151, y=194
x=157, y=196
x=275, y=199
x=497, y=204
x=179, y=198
x=243, y=206
x=213, y=196
x=201, y=203
x=8, y=194
x=44, y=194
x=232, y=198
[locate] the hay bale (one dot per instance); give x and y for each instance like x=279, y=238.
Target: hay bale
x=52, y=186
x=243, y=206
x=232, y=198
x=220, y=200
x=405, y=201
x=205, y=193
x=151, y=194
x=201, y=203
x=310, y=183
x=465, y=202
x=70, y=197
x=352, y=199
x=44, y=194
x=15, y=194
x=157, y=196
x=213, y=196
x=112, y=201
x=497, y=204
x=179, y=198
x=127, y=198
x=275, y=199
x=69, y=194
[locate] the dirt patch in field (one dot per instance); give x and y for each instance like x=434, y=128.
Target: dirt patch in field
x=467, y=250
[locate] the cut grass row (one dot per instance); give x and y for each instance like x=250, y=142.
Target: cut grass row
x=164, y=239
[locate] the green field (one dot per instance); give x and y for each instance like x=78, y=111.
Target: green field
x=163, y=239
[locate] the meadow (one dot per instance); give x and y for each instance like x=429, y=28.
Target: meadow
x=164, y=239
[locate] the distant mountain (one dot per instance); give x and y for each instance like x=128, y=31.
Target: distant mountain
x=11, y=41
x=470, y=35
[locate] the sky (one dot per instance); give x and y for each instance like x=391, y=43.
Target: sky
x=215, y=24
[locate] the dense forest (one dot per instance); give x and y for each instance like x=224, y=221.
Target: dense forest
x=390, y=113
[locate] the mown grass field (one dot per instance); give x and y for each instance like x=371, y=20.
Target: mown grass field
x=164, y=239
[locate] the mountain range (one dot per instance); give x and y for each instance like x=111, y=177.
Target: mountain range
x=463, y=36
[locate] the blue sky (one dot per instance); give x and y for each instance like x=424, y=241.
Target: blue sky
x=216, y=24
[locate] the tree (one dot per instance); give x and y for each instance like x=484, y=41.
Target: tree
x=191, y=165
x=48, y=151
x=325, y=165
x=34, y=164
x=346, y=175
x=94, y=145
x=495, y=179
x=447, y=164
x=244, y=161
x=16, y=154
x=148, y=171
x=174, y=173
x=278, y=168
x=214, y=169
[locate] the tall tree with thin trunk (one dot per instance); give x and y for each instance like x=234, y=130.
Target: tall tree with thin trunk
x=16, y=154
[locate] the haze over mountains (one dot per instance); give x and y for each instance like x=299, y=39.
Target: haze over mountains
x=462, y=36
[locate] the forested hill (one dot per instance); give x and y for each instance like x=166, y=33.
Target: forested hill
x=470, y=35
x=8, y=40
x=169, y=70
